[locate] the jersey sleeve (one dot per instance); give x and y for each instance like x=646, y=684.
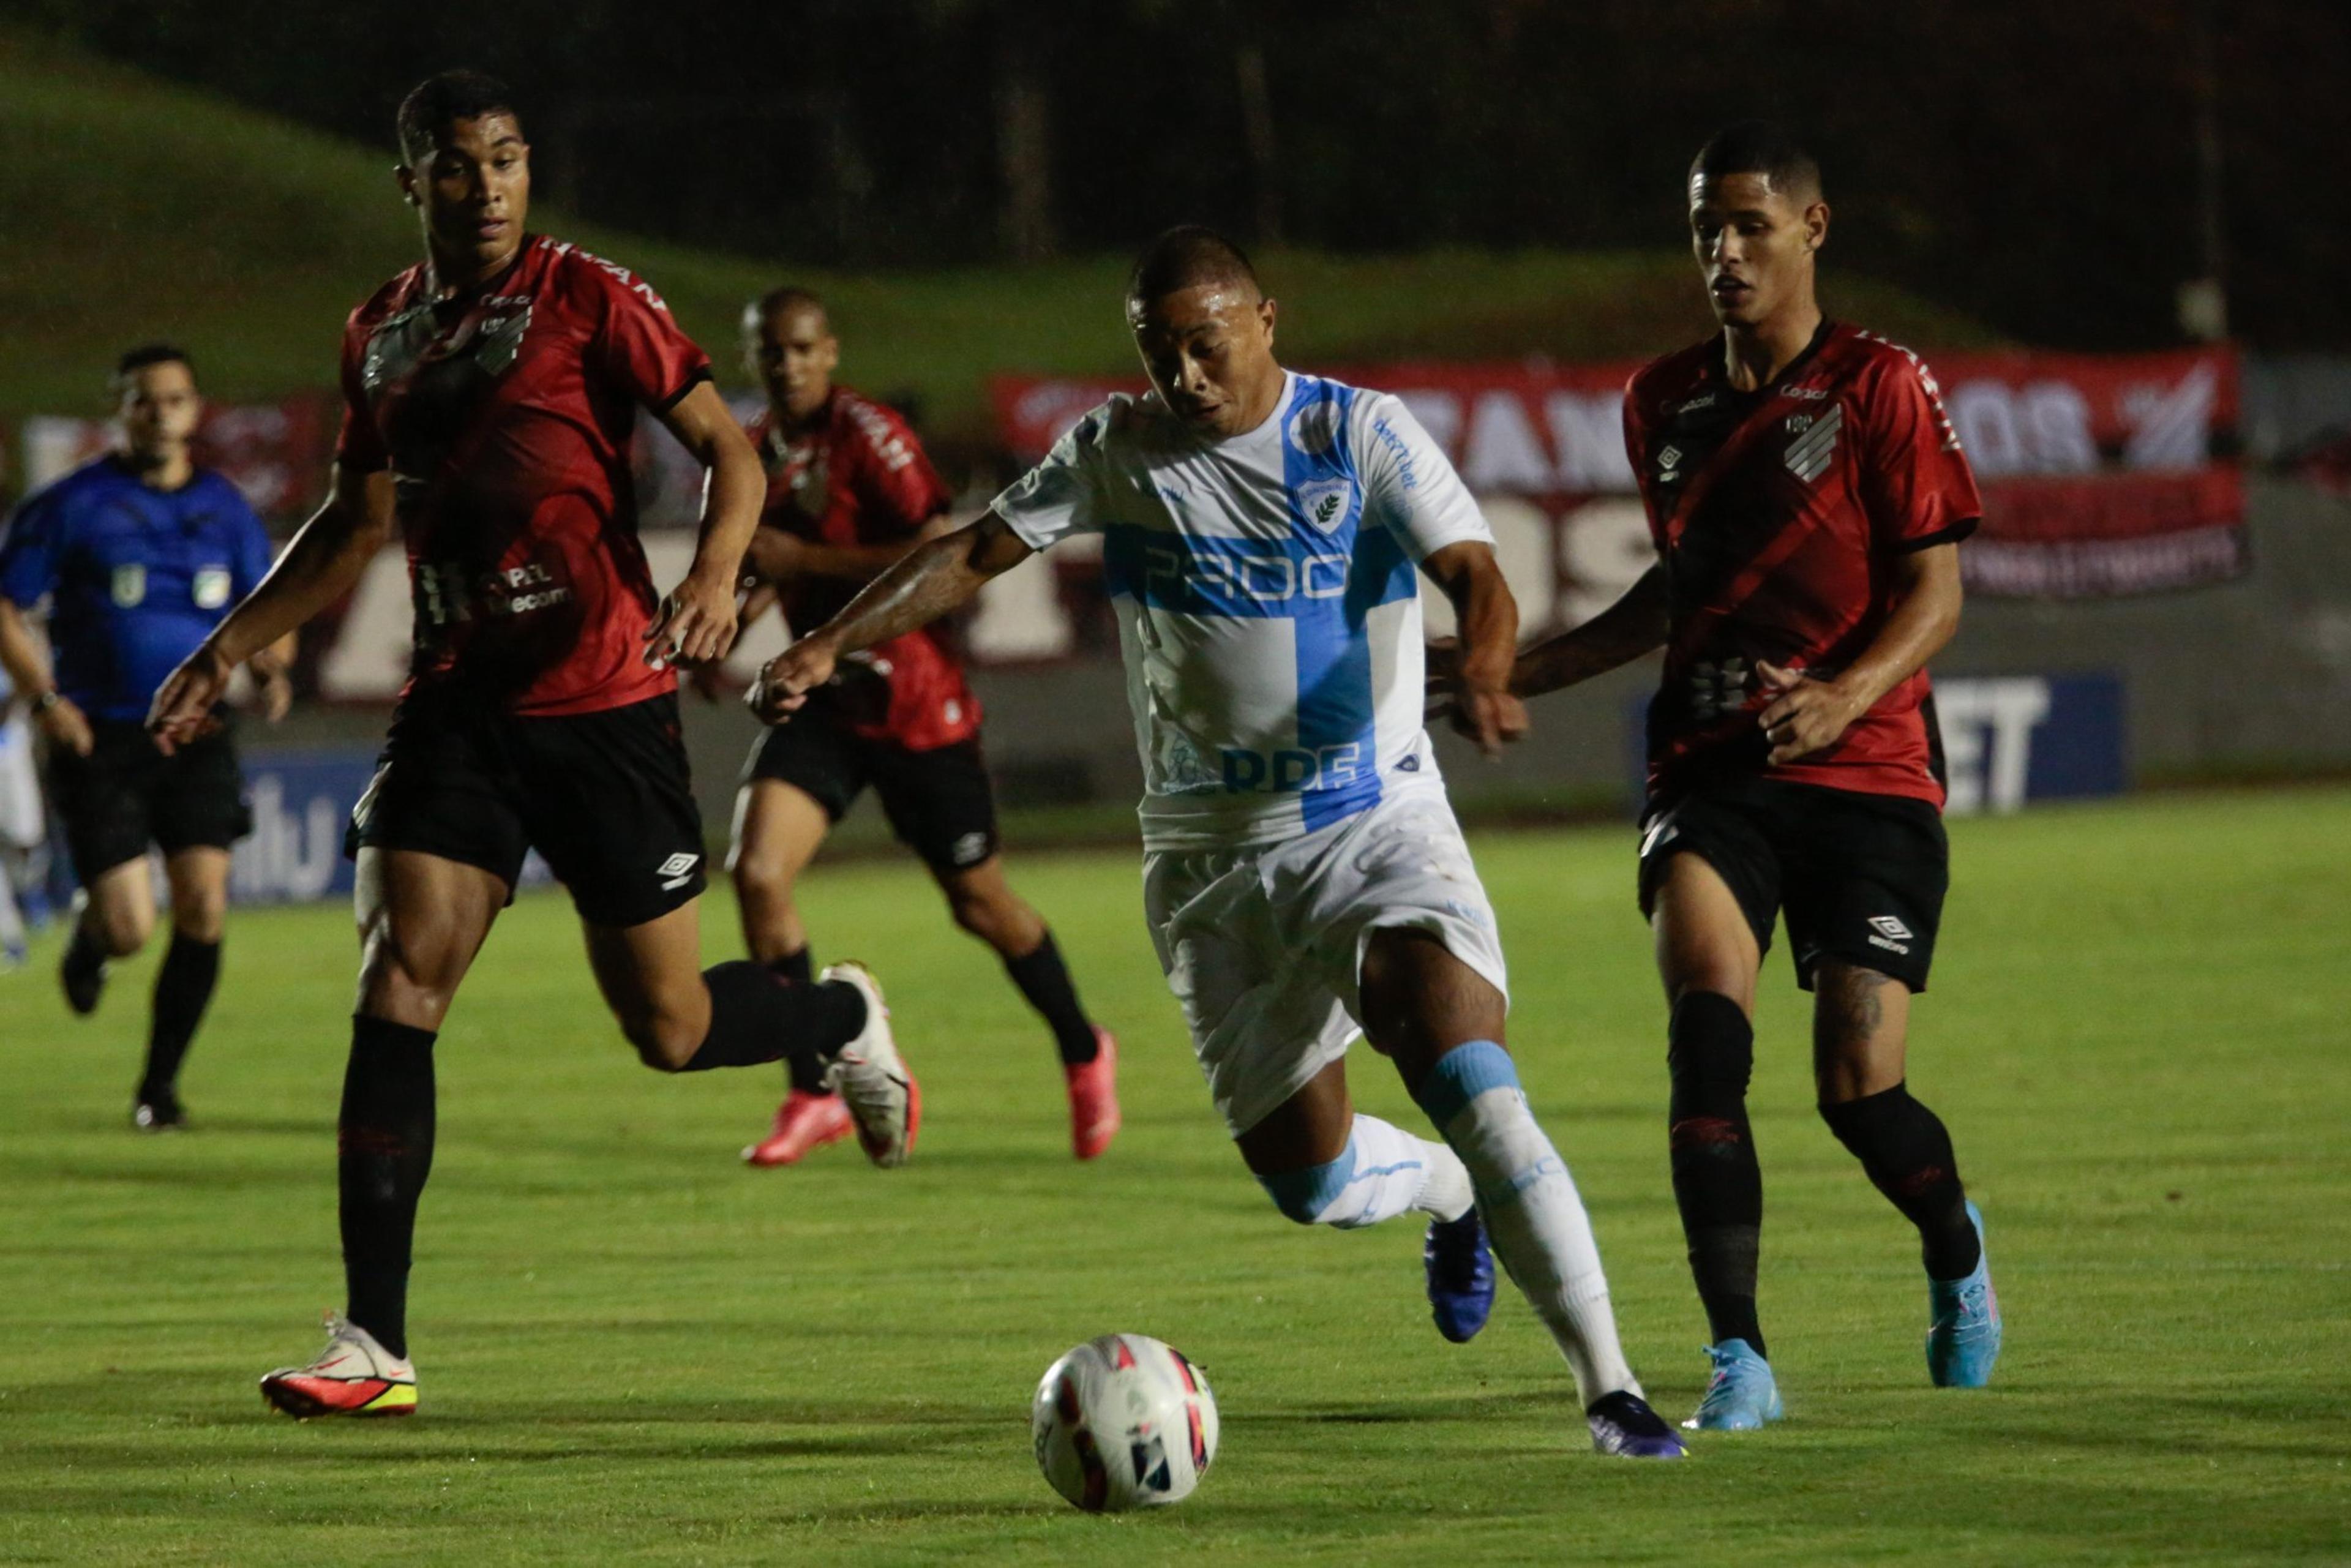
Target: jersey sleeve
x=639, y=343
x=1914, y=480
x=358, y=445
x=1409, y=484
x=895, y=482
x=28, y=550
x=1062, y=495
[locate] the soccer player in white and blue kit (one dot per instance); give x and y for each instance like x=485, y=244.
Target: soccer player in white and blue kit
x=1303, y=876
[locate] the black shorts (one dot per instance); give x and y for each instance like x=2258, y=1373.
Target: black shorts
x=605, y=797
x=939, y=802
x=1859, y=877
x=126, y=795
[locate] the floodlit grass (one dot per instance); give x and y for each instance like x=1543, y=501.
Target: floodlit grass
x=139, y=210
x=635, y=1349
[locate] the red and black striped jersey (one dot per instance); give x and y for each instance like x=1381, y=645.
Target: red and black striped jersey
x=1780, y=515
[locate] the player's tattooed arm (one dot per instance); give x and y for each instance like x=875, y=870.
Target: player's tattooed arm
x=928, y=580
x=1476, y=690
x=1806, y=716
x=697, y=622
x=323, y=563
x=1637, y=623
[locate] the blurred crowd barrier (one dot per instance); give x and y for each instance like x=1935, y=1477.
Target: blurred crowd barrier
x=2161, y=588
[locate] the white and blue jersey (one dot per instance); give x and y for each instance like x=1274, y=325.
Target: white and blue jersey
x=135, y=576
x=1268, y=604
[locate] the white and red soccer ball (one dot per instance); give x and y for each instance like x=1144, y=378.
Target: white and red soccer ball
x=1121, y=1421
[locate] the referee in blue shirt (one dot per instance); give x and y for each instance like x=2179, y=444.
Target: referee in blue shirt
x=138, y=555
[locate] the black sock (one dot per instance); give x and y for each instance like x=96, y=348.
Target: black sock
x=757, y=1015
x=804, y=1071
x=184, y=985
x=385, y=1151
x=1045, y=980
x=1907, y=1154
x=85, y=952
x=1717, y=1184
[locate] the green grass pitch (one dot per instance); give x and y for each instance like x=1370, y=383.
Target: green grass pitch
x=635, y=1349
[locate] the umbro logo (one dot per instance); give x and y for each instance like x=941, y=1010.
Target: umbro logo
x=1888, y=933
x=1668, y=459
x=677, y=871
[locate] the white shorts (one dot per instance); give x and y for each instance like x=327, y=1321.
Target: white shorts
x=21, y=822
x=1262, y=946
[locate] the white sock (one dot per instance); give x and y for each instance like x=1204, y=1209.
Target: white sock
x=1385, y=1172
x=1534, y=1217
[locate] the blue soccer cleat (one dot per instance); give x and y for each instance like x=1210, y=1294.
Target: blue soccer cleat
x=1963, y=1322
x=1624, y=1425
x=1461, y=1276
x=1741, y=1396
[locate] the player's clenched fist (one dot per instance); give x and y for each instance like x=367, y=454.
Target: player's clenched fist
x=182, y=708
x=786, y=680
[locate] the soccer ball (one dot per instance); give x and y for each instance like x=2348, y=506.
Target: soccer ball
x=1124, y=1421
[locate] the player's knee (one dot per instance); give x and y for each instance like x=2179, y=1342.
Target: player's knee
x=764, y=878
x=993, y=916
x=1305, y=1196
x=406, y=975
x=664, y=1039
x=123, y=928
x=201, y=918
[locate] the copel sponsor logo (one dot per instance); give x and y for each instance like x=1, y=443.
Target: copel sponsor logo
x=1293, y=769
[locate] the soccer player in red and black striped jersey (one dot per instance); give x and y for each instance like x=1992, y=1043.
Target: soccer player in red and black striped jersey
x=490, y=396
x=1807, y=497
x=850, y=490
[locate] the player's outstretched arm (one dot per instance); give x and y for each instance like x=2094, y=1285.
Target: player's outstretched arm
x=1481, y=707
x=1807, y=715
x=928, y=580
x=322, y=564
x=1619, y=634
x=696, y=622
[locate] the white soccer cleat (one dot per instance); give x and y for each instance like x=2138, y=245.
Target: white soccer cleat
x=354, y=1375
x=872, y=1079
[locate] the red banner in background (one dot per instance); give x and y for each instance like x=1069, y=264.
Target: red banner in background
x=2102, y=474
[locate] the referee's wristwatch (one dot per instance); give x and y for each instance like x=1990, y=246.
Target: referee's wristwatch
x=45, y=701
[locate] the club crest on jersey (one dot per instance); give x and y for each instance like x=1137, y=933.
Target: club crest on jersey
x=1314, y=429
x=1811, y=453
x=210, y=587
x=498, y=339
x=129, y=585
x=1326, y=502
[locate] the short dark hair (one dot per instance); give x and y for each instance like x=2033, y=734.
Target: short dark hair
x=790, y=296
x=1759, y=147
x=136, y=359
x=438, y=102
x=1189, y=256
